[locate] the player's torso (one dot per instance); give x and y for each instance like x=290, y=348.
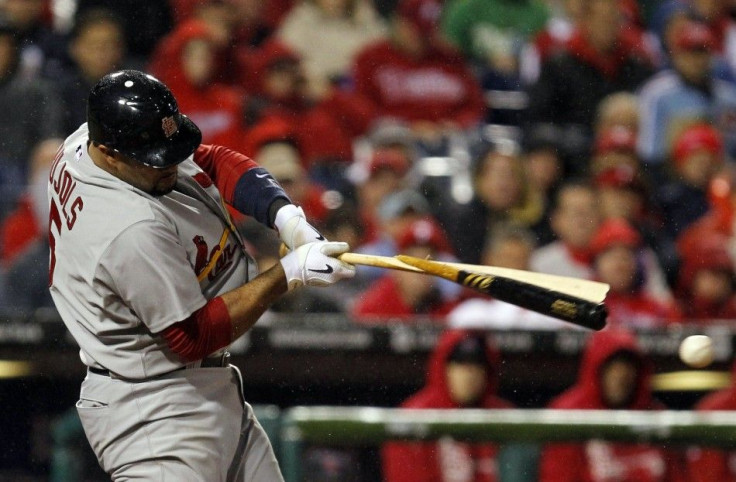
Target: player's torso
x=214, y=247
x=90, y=209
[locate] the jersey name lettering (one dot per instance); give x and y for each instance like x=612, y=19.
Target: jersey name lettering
x=64, y=186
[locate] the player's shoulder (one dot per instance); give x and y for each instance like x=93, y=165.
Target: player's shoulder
x=108, y=204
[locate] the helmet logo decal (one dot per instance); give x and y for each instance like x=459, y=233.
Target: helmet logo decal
x=168, y=124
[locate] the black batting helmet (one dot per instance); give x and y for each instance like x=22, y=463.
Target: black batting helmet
x=136, y=114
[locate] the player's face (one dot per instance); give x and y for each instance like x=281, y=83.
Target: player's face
x=156, y=182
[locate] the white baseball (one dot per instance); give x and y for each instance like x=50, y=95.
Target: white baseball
x=697, y=351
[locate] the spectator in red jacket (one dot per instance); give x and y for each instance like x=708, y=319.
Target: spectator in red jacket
x=707, y=285
x=461, y=373
x=618, y=261
x=325, y=125
x=185, y=60
x=707, y=464
x=403, y=295
x=417, y=79
x=614, y=374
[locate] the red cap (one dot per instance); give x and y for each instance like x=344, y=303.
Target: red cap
x=700, y=137
x=707, y=252
x=389, y=159
x=621, y=176
x=424, y=14
x=616, y=139
x=614, y=232
x=269, y=130
x=271, y=53
x=424, y=232
x=695, y=36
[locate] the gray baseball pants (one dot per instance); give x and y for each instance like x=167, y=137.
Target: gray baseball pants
x=189, y=425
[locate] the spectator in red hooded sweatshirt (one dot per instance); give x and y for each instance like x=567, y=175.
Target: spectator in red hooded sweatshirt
x=416, y=78
x=618, y=260
x=185, y=61
x=706, y=464
x=707, y=285
x=462, y=373
x=614, y=374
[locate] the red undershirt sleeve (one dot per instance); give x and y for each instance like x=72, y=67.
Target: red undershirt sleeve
x=207, y=330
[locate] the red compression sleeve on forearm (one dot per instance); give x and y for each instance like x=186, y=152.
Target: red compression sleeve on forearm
x=207, y=330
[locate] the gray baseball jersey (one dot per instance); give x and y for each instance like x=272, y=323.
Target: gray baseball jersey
x=125, y=265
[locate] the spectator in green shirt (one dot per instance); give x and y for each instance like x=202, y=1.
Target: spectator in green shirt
x=493, y=32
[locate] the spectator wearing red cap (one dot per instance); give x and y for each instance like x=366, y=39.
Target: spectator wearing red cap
x=685, y=94
x=404, y=295
x=417, y=79
x=601, y=57
x=707, y=286
x=462, y=372
x=615, y=147
x=616, y=251
x=396, y=212
x=697, y=156
x=623, y=194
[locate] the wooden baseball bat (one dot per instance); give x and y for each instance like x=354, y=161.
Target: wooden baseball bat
x=593, y=291
x=570, y=294
x=571, y=309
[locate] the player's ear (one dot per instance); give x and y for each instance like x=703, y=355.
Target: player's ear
x=105, y=154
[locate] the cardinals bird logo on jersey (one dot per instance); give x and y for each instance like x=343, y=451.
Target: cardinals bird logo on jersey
x=209, y=263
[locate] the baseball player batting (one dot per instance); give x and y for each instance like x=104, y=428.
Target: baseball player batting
x=153, y=281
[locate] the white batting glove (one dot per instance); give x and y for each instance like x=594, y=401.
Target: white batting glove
x=314, y=264
x=293, y=228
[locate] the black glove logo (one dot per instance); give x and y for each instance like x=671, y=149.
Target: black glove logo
x=328, y=269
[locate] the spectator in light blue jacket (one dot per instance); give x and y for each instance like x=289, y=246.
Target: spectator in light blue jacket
x=687, y=93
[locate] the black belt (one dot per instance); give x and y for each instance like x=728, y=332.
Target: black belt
x=210, y=362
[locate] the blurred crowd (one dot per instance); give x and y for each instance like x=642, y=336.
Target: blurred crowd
x=586, y=138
